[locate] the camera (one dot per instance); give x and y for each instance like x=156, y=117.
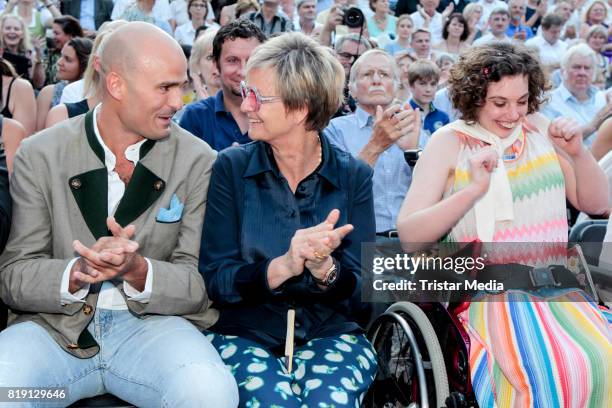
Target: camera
x=353, y=17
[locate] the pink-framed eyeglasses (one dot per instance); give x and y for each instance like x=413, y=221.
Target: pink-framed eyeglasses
x=255, y=99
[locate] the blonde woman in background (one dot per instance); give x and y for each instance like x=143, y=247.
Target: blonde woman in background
x=203, y=72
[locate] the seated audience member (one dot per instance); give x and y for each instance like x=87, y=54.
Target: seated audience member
x=472, y=181
x=64, y=28
x=185, y=33
x=403, y=31
x=428, y=18
x=203, y=71
x=454, y=35
x=180, y=15
x=269, y=19
x=597, y=38
x=90, y=14
x=103, y=321
x=576, y=97
x=302, y=267
x=423, y=77
x=549, y=45
x=403, y=61
x=378, y=133
x=472, y=14
x=421, y=44
x=18, y=100
x=488, y=6
x=19, y=51
x=596, y=13
x=144, y=10
x=381, y=24
x=498, y=24
x=307, y=22
x=516, y=28
x=71, y=67
x=444, y=63
x=11, y=135
x=218, y=119
x=348, y=49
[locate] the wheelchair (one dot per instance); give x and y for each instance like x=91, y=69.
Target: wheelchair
x=423, y=350
x=422, y=353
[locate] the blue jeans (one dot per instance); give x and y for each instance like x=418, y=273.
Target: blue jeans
x=157, y=361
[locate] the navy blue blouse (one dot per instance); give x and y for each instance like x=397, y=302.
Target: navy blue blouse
x=251, y=216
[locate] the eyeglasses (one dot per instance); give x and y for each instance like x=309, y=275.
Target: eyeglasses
x=348, y=56
x=252, y=95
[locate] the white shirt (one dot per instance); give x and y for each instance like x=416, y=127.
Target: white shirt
x=185, y=33
x=435, y=25
x=549, y=54
x=490, y=38
x=161, y=9
x=110, y=297
x=73, y=92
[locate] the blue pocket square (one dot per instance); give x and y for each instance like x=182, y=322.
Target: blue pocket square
x=172, y=214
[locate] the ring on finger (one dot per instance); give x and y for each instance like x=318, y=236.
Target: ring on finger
x=318, y=255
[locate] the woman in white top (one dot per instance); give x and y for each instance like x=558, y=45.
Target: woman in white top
x=197, y=11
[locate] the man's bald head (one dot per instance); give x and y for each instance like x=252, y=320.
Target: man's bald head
x=144, y=73
x=135, y=46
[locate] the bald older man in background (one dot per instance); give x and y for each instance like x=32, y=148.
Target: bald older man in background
x=100, y=271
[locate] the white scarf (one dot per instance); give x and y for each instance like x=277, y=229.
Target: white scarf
x=496, y=204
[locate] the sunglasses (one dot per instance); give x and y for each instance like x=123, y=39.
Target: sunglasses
x=254, y=98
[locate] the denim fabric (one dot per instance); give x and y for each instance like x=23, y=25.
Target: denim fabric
x=146, y=362
x=209, y=120
x=251, y=216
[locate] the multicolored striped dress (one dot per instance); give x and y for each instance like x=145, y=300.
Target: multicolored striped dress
x=527, y=353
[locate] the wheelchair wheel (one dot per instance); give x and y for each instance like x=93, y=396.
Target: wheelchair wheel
x=410, y=360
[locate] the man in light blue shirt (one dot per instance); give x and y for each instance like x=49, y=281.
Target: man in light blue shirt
x=379, y=132
x=576, y=97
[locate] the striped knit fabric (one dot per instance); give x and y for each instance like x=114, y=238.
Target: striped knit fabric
x=525, y=352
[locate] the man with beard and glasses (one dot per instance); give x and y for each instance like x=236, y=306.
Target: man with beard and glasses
x=379, y=132
x=218, y=120
x=577, y=97
x=101, y=267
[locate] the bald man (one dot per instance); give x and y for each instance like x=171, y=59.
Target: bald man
x=100, y=271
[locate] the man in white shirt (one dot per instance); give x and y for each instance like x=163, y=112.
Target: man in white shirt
x=498, y=24
x=101, y=269
x=576, y=97
x=549, y=45
x=307, y=12
x=487, y=8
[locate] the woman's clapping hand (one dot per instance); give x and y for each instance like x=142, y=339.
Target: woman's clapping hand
x=312, y=247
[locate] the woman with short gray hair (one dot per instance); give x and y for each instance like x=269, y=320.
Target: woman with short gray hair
x=284, y=224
